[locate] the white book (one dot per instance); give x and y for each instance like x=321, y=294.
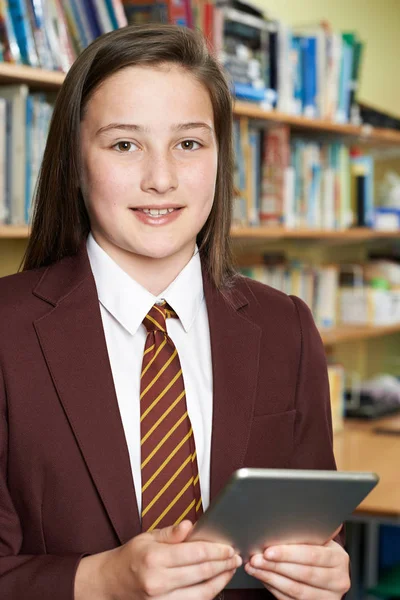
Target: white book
x=328, y=199
x=17, y=95
x=3, y=141
x=103, y=16
x=289, y=212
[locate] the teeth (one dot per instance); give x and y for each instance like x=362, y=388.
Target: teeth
x=155, y=212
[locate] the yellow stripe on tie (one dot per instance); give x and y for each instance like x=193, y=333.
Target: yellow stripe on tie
x=198, y=505
x=170, y=505
x=194, y=455
x=160, y=311
x=161, y=346
x=165, y=390
x=166, y=461
x=166, y=486
x=155, y=322
x=148, y=350
x=160, y=372
x=170, y=432
x=196, y=480
x=183, y=515
x=161, y=419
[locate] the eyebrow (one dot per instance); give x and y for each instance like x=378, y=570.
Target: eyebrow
x=140, y=128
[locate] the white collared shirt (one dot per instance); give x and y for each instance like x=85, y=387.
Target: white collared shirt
x=124, y=304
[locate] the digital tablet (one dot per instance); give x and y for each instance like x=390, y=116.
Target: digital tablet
x=262, y=507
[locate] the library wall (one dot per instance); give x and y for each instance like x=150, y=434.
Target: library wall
x=377, y=23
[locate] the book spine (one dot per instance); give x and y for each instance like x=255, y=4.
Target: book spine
x=90, y=16
x=28, y=157
x=3, y=157
x=103, y=16
x=119, y=12
x=23, y=32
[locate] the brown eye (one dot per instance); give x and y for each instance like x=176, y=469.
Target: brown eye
x=124, y=146
x=189, y=145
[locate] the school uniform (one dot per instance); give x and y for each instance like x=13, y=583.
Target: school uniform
x=71, y=348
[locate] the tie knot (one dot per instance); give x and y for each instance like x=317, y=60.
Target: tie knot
x=156, y=317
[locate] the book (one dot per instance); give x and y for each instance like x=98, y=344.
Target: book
x=4, y=209
x=16, y=95
x=23, y=32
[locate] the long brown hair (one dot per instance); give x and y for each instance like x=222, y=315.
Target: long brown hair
x=60, y=220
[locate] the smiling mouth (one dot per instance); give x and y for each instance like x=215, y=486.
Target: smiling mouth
x=157, y=212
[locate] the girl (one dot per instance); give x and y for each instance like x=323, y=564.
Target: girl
x=137, y=371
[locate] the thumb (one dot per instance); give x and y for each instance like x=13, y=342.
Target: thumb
x=175, y=534
x=335, y=533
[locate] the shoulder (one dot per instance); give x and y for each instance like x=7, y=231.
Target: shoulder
x=268, y=306
x=16, y=291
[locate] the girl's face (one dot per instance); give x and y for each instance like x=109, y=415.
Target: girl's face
x=149, y=162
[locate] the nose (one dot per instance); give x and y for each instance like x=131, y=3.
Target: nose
x=160, y=174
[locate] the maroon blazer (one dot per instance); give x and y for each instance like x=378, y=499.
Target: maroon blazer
x=66, y=485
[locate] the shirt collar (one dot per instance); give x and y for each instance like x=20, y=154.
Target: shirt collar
x=129, y=302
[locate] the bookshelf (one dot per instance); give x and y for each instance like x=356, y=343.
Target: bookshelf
x=40, y=78
x=358, y=234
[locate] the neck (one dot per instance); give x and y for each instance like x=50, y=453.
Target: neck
x=154, y=274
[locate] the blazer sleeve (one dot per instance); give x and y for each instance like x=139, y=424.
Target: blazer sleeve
x=26, y=576
x=313, y=443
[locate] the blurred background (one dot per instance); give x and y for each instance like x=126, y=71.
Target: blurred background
x=317, y=191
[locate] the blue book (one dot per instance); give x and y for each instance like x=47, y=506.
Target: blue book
x=80, y=25
x=23, y=32
x=309, y=60
x=112, y=14
x=248, y=92
x=91, y=18
x=28, y=157
x=297, y=75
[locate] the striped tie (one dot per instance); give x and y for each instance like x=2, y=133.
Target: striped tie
x=170, y=479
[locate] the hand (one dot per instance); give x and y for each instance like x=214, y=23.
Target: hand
x=303, y=571
x=160, y=565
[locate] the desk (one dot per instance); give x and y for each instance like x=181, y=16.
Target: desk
x=358, y=448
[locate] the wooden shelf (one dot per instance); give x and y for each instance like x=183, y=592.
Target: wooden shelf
x=14, y=232
x=35, y=78
x=350, y=333
x=40, y=78
x=261, y=233
x=276, y=233
x=365, y=133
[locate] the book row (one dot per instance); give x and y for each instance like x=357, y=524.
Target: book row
x=24, y=124
x=311, y=71
x=51, y=33
x=367, y=294
x=284, y=180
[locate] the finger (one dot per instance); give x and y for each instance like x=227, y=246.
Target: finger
x=208, y=589
x=278, y=595
x=196, y=574
x=193, y=553
x=335, y=533
x=292, y=589
x=319, y=577
x=174, y=534
x=305, y=554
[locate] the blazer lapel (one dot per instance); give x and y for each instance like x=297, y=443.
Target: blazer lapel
x=235, y=346
x=73, y=344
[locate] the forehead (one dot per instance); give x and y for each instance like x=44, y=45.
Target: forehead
x=151, y=95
